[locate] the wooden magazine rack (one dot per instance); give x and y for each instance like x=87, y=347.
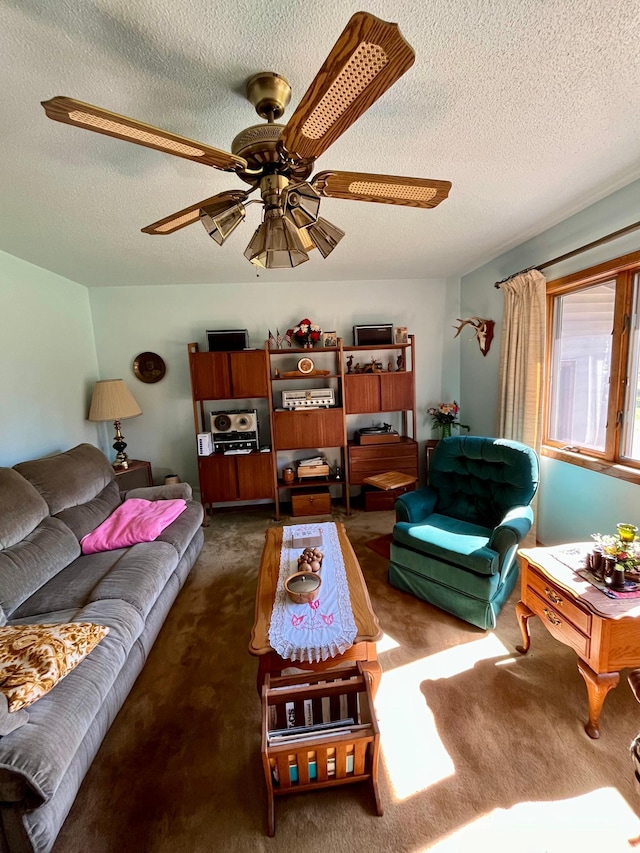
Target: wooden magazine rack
x=322, y=756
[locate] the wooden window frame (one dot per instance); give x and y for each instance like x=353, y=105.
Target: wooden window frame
x=609, y=461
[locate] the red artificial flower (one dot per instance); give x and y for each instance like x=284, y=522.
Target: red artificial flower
x=315, y=336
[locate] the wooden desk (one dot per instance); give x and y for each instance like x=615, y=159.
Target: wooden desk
x=604, y=632
x=367, y=626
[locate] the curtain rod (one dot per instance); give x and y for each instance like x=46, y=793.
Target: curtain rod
x=627, y=230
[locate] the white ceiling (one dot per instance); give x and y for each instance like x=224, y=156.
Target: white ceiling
x=529, y=107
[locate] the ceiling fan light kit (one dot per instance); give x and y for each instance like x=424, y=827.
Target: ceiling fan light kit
x=368, y=58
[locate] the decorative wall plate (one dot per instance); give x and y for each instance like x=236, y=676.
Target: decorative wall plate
x=305, y=364
x=149, y=367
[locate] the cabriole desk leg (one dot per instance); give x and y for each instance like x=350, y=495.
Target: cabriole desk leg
x=598, y=685
x=524, y=613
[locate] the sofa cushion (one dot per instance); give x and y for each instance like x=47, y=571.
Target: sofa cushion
x=34, y=658
x=457, y=542
x=70, y=478
x=86, y=517
x=29, y=564
x=22, y=508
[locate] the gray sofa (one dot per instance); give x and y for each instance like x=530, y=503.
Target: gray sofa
x=46, y=507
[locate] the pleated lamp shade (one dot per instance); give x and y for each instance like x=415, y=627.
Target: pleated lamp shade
x=112, y=401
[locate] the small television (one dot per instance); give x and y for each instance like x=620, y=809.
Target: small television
x=373, y=335
x=220, y=340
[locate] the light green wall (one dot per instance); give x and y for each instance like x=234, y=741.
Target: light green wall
x=128, y=321
x=48, y=359
x=565, y=490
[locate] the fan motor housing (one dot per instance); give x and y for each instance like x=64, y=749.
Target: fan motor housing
x=259, y=146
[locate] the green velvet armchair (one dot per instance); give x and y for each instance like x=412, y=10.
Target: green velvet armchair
x=455, y=540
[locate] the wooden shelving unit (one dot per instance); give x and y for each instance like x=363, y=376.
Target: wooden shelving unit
x=228, y=376
x=377, y=393
x=309, y=429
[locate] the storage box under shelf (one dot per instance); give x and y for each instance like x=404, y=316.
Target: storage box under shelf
x=312, y=501
x=318, y=758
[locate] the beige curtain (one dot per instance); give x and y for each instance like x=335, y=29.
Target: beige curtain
x=522, y=366
x=522, y=358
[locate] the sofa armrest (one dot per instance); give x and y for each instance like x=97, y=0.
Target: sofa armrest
x=161, y=493
x=414, y=506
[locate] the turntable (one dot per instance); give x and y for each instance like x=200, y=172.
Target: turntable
x=378, y=434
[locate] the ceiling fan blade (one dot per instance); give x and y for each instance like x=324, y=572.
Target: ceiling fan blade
x=191, y=214
x=388, y=189
x=104, y=121
x=367, y=59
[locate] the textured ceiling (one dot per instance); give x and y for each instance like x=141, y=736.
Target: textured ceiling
x=529, y=107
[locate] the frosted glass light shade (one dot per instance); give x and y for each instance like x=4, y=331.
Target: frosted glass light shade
x=276, y=245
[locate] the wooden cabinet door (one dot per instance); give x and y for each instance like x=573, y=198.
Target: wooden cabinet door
x=218, y=478
x=210, y=376
x=255, y=476
x=248, y=374
x=396, y=391
x=316, y=428
x=362, y=393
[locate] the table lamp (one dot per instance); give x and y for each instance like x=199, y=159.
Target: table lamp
x=112, y=401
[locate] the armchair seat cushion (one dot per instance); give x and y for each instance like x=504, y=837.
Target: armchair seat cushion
x=458, y=543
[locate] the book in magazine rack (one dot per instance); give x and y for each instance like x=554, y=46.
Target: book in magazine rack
x=318, y=730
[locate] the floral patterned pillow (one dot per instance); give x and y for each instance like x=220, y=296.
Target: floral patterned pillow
x=34, y=658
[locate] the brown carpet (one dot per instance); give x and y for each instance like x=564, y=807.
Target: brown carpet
x=381, y=545
x=482, y=749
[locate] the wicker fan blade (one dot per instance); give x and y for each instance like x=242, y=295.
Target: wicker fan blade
x=89, y=117
x=388, y=189
x=367, y=59
x=191, y=214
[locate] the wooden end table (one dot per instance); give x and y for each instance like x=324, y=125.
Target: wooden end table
x=604, y=632
x=367, y=626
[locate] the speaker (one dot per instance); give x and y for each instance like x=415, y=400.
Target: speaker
x=364, y=336
x=221, y=340
x=205, y=444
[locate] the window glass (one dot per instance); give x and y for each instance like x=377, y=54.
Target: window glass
x=631, y=422
x=580, y=366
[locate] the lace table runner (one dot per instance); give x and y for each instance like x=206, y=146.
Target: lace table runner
x=322, y=628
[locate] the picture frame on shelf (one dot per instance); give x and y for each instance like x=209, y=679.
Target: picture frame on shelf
x=329, y=339
x=400, y=335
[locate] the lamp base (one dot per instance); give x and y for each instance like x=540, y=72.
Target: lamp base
x=121, y=460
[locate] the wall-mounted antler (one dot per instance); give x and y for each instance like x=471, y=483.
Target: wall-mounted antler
x=483, y=331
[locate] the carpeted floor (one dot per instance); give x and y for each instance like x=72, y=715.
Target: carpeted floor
x=482, y=749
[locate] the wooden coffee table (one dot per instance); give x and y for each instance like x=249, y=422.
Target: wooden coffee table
x=604, y=632
x=367, y=626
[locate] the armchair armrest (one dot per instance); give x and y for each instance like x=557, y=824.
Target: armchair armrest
x=511, y=530
x=161, y=493
x=414, y=506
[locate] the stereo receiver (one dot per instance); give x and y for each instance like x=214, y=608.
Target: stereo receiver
x=314, y=398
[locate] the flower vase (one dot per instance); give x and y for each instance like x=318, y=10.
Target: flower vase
x=446, y=430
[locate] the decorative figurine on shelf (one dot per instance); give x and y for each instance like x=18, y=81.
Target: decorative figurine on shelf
x=306, y=334
x=390, y=367
x=276, y=374
x=400, y=362
x=272, y=341
x=349, y=363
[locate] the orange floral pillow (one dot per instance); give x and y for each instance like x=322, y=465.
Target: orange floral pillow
x=34, y=658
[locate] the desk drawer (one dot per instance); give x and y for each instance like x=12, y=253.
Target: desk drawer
x=556, y=622
x=560, y=601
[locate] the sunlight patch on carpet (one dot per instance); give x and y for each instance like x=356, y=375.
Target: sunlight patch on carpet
x=412, y=749
x=592, y=823
x=386, y=644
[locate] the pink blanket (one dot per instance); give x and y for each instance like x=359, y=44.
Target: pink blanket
x=136, y=520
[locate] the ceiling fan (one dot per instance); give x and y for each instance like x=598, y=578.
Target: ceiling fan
x=367, y=59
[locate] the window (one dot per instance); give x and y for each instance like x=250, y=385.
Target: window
x=593, y=366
